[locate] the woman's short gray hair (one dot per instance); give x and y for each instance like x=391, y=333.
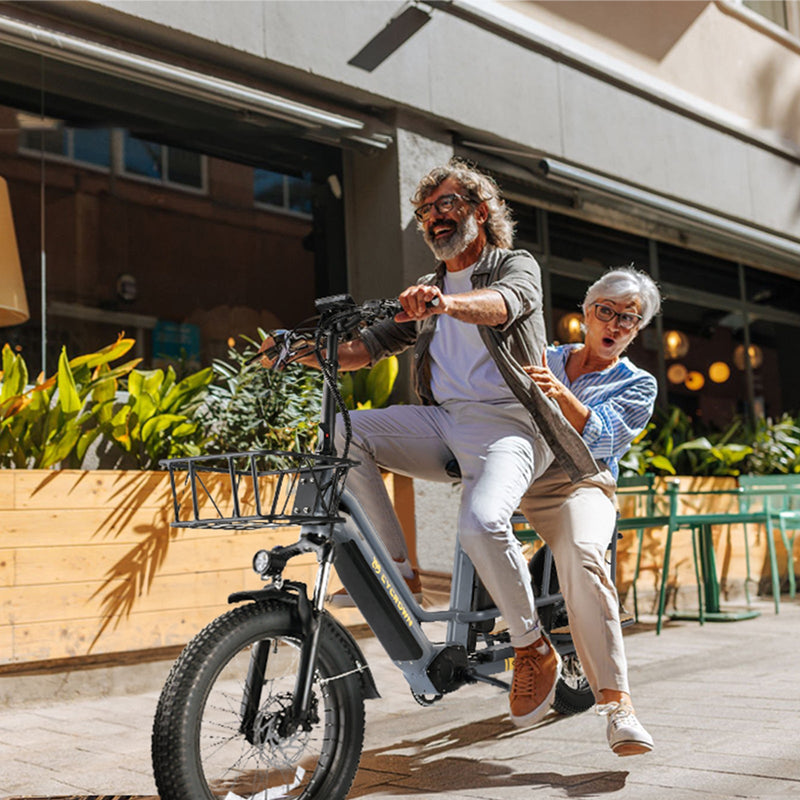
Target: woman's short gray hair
x=626, y=284
x=477, y=188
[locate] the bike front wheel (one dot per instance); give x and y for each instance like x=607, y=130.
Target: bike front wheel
x=222, y=731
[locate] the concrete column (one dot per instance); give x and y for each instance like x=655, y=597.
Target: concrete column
x=385, y=251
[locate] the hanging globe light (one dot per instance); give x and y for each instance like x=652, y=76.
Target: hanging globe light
x=754, y=351
x=719, y=372
x=676, y=344
x=569, y=328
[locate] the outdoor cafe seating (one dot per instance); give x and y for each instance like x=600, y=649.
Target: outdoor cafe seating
x=769, y=501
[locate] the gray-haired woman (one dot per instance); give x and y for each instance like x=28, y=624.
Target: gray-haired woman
x=608, y=400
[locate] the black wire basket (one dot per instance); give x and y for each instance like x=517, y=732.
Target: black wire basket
x=257, y=489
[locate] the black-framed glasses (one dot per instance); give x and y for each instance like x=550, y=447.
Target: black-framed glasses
x=443, y=204
x=627, y=320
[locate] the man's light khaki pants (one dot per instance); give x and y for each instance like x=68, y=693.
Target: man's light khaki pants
x=499, y=452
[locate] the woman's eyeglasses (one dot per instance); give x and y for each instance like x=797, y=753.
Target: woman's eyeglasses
x=445, y=203
x=627, y=320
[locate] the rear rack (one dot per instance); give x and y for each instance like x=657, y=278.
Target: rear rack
x=256, y=489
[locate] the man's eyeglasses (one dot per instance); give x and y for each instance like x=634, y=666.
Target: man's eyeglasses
x=627, y=320
x=445, y=203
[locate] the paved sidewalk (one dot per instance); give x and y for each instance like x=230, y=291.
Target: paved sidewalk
x=722, y=702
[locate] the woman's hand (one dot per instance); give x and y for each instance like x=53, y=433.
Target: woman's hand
x=577, y=413
x=544, y=378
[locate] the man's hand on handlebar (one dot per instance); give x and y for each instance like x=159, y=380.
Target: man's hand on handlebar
x=267, y=353
x=420, y=302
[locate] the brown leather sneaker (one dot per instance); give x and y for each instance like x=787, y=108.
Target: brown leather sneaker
x=534, y=683
x=341, y=599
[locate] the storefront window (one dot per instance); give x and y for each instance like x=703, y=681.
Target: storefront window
x=170, y=165
x=285, y=192
x=578, y=240
x=82, y=145
x=693, y=270
x=92, y=146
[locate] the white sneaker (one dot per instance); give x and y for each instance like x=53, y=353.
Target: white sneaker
x=626, y=735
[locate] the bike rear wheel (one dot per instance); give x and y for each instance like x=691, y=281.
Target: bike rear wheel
x=220, y=729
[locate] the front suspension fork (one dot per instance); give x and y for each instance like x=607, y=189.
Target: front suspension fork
x=310, y=619
x=309, y=611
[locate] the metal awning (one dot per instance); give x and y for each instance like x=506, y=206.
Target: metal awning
x=581, y=192
x=43, y=70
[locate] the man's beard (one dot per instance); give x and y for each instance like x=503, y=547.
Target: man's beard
x=463, y=236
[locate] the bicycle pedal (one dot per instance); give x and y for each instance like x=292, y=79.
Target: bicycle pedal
x=626, y=618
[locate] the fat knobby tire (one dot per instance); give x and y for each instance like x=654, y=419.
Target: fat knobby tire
x=177, y=761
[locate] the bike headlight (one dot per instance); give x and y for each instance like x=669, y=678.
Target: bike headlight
x=261, y=561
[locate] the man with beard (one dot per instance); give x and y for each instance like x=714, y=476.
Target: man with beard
x=473, y=323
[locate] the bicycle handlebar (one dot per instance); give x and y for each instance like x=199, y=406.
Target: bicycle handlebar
x=341, y=314
x=339, y=319
x=338, y=314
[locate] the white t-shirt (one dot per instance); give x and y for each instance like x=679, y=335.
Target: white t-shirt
x=461, y=367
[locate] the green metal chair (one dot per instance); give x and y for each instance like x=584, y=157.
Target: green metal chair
x=642, y=489
x=780, y=496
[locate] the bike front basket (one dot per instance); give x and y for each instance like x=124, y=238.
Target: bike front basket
x=257, y=489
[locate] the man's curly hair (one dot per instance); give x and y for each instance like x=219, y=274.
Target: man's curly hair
x=477, y=188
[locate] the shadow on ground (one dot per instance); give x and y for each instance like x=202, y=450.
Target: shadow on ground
x=422, y=766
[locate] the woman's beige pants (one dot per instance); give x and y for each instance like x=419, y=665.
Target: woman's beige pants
x=577, y=520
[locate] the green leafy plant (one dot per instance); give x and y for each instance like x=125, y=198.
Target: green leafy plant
x=671, y=445
x=370, y=387
x=158, y=418
x=251, y=408
x=776, y=446
x=55, y=420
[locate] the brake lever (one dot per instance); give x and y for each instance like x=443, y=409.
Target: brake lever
x=279, y=351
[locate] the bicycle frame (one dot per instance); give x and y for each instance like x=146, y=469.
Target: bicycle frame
x=396, y=618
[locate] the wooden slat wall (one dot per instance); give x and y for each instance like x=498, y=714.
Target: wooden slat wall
x=89, y=564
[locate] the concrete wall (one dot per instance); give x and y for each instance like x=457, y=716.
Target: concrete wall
x=717, y=51
x=495, y=80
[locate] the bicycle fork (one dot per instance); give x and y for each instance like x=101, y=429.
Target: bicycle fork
x=302, y=712
x=310, y=618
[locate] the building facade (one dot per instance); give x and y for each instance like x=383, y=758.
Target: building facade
x=187, y=170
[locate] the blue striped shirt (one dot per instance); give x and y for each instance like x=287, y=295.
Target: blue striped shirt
x=620, y=400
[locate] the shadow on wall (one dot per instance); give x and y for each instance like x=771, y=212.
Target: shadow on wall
x=779, y=97
x=650, y=28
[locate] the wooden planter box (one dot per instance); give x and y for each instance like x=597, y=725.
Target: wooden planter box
x=90, y=565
